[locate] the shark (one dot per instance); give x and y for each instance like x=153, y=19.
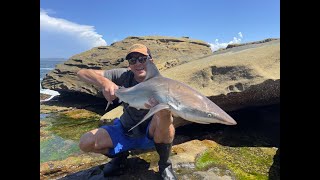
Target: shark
x=177, y=97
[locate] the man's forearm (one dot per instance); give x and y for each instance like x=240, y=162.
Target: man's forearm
x=90, y=76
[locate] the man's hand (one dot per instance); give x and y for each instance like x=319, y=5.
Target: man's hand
x=108, y=91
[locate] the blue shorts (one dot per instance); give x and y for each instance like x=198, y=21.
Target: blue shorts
x=123, y=142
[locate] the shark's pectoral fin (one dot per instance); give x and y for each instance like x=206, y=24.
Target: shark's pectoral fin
x=152, y=112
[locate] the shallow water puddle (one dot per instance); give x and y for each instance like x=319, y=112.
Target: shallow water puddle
x=60, y=134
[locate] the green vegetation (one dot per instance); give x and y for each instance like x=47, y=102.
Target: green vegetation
x=72, y=124
x=60, y=133
x=245, y=162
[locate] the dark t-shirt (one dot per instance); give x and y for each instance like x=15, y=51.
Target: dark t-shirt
x=131, y=116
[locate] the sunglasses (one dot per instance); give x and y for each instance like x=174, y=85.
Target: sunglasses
x=141, y=59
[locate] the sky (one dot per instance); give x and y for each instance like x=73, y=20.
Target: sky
x=70, y=27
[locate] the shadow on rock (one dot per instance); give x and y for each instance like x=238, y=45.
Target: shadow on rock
x=82, y=101
x=274, y=172
x=137, y=169
x=256, y=127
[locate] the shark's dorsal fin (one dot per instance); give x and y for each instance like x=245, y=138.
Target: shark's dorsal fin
x=152, y=70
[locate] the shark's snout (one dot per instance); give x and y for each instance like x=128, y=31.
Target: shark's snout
x=230, y=121
x=226, y=119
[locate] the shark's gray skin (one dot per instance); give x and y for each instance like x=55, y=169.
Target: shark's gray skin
x=174, y=96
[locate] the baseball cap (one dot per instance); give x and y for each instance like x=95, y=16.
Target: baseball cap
x=140, y=48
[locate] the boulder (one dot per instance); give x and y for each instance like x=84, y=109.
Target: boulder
x=166, y=52
x=233, y=78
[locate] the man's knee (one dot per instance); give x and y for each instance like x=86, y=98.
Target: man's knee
x=94, y=140
x=87, y=142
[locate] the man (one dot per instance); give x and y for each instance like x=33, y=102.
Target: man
x=114, y=141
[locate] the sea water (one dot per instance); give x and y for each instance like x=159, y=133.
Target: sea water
x=47, y=65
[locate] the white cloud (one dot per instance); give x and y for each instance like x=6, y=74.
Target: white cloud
x=47, y=11
x=216, y=45
x=240, y=34
x=83, y=33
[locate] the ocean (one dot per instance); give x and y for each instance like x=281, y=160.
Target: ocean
x=47, y=65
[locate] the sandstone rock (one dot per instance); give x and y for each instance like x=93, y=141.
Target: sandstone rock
x=115, y=113
x=238, y=77
x=44, y=96
x=235, y=79
x=166, y=52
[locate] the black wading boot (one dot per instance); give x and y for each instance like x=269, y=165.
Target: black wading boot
x=165, y=166
x=117, y=165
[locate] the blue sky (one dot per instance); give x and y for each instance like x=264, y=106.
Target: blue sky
x=69, y=27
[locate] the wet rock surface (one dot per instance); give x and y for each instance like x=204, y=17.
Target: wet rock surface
x=249, y=150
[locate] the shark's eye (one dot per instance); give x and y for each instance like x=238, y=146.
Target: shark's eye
x=210, y=115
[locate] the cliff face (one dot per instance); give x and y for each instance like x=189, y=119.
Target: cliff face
x=166, y=52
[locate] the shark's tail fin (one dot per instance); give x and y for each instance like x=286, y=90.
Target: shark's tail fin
x=108, y=105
